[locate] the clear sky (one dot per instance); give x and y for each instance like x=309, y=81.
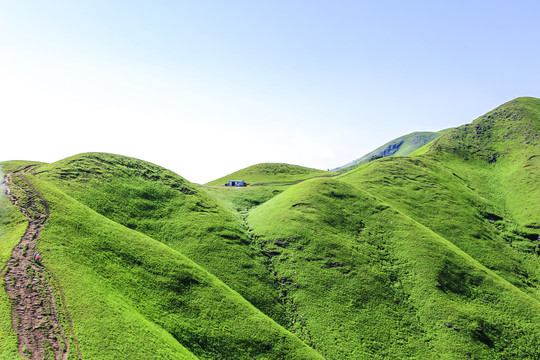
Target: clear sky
x=206, y=88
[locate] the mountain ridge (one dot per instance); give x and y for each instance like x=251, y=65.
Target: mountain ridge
x=403, y=145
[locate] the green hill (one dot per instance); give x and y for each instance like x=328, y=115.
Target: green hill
x=356, y=269
x=449, y=217
x=401, y=146
x=123, y=286
x=271, y=173
x=164, y=206
x=500, y=151
x=432, y=255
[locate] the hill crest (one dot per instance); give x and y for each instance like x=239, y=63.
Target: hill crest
x=264, y=173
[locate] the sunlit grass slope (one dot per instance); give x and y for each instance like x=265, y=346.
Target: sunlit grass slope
x=161, y=204
x=132, y=297
x=440, y=198
x=365, y=281
x=503, y=146
x=271, y=173
x=477, y=187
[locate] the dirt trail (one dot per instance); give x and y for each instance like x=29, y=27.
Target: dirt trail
x=35, y=316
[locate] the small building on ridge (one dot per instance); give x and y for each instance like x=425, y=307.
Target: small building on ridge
x=236, y=183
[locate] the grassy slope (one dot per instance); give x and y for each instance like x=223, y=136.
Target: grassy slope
x=401, y=146
x=475, y=220
x=241, y=200
x=509, y=137
x=133, y=297
x=166, y=207
x=271, y=173
x=441, y=199
x=483, y=207
x=19, y=165
x=369, y=282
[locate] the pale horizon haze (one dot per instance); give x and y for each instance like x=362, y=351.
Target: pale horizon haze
x=206, y=88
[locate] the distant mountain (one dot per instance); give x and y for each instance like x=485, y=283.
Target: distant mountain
x=434, y=254
x=401, y=146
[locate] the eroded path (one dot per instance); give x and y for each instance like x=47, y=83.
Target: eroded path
x=35, y=316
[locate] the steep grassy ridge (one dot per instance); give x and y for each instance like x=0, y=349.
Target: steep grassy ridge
x=500, y=152
x=366, y=281
x=271, y=173
x=467, y=189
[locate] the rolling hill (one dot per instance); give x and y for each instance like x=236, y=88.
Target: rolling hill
x=271, y=173
x=431, y=255
x=123, y=287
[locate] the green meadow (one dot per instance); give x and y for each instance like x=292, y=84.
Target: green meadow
x=430, y=255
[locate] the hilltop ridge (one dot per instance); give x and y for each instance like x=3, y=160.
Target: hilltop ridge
x=271, y=173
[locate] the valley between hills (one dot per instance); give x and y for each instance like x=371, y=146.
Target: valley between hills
x=427, y=248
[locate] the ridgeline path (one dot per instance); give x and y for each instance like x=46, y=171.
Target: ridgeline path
x=35, y=316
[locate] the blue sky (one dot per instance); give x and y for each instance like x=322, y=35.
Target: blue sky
x=205, y=88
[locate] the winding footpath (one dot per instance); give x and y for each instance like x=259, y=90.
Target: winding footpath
x=35, y=316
